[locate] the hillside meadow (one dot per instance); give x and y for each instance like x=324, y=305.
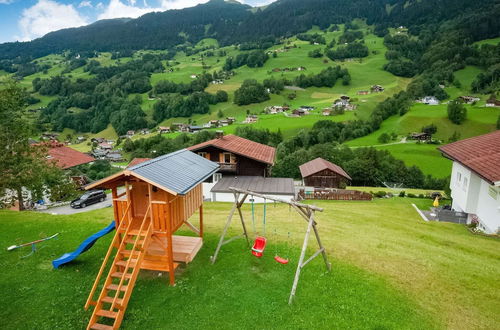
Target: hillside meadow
x=390, y=270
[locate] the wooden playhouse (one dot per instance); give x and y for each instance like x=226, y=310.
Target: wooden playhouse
x=159, y=196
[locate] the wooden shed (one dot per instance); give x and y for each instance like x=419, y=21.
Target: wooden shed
x=322, y=173
x=159, y=196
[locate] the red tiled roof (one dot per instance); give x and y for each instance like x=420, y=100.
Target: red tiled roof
x=319, y=164
x=240, y=146
x=481, y=154
x=136, y=161
x=66, y=157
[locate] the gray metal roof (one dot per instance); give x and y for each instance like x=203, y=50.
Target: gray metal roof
x=178, y=171
x=278, y=186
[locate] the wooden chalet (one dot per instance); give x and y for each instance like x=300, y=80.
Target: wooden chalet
x=160, y=196
x=322, y=173
x=237, y=155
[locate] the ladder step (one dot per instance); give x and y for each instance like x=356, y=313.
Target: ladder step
x=123, y=263
x=128, y=276
x=115, y=287
x=137, y=232
x=99, y=326
x=108, y=314
x=109, y=300
x=129, y=252
x=140, y=242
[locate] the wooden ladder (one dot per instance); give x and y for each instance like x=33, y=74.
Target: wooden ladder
x=115, y=294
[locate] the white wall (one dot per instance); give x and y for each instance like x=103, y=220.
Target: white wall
x=229, y=197
x=471, y=194
x=488, y=208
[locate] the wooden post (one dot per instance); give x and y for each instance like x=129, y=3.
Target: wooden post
x=228, y=222
x=129, y=199
x=170, y=249
x=301, y=259
x=201, y=220
x=240, y=203
x=316, y=233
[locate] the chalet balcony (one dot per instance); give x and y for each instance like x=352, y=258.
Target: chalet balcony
x=228, y=167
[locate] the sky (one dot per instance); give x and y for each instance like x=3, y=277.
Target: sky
x=24, y=20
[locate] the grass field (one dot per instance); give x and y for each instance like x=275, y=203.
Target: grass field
x=390, y=270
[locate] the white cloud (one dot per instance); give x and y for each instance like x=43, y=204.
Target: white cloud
x=6, y=2
x=118, y=9
x=47, y=16
x=85, y=3
x=178, y=4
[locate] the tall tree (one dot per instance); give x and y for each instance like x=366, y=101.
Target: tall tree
x=25, y=168
x=457, y=113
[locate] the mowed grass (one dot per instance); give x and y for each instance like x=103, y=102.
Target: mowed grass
x=390, y=270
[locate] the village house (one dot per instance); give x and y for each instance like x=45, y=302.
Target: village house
x=274, y=109
x=195, y=128
x=300, y=112
x=344, y=102
x=468, y=99
x=193, y=76
x=49, y=136
x=250, y=119
x=230, y=120
x=130, y=133
x=144, y=131
x=98, y=140
x=236, y=156
x=492, y=102
x=327, y=112
x=105, y=146
x=429, y=100
x=475, y=179
x=421, y=136
x=163, y=129
x=323, y=174
x=217, y=82
x=362, y=92
x=377, y=89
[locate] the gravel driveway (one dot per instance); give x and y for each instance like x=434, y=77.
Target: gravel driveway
x=66, y=209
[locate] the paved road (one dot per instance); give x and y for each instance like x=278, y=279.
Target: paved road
x=66, y=209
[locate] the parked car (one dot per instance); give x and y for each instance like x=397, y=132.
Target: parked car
x=88, y=198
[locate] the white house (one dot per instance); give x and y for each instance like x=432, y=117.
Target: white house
x=429, y=100
x=475, y=179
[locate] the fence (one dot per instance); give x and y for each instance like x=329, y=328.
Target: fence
x=335, y=194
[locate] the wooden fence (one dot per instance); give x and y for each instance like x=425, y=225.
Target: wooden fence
x=335, y=194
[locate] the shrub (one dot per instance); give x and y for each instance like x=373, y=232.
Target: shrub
x=402, y=193
x=411, y=195
x=380, y=194
x=421, y=196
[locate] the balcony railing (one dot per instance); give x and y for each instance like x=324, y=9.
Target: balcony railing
x=228, y=167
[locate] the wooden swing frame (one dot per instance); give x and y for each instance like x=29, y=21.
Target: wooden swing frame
x=304, y=210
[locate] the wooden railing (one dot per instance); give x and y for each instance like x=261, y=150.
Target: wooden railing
x=106, y=258
x=335, y=194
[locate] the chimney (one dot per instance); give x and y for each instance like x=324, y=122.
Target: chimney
x=219, y=134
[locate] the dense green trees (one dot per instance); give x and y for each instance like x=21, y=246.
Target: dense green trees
x=352, y=50
x=250, y=92
x=314, y=38
x=457, y=113
x=253, y=59
x=25, y=167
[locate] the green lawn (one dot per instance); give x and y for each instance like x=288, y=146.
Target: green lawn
x=391, y=270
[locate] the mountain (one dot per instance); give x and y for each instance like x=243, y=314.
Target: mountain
x=233, y=23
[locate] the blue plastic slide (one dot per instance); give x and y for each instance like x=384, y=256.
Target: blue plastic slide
x=87, y=244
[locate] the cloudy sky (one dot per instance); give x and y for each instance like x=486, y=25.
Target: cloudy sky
x=24, y=20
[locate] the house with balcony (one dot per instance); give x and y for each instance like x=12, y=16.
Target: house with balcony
x=236, y=157
x=475, y=179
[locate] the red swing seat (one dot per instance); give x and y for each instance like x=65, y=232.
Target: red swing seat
x=281, y=260
x=258, y=246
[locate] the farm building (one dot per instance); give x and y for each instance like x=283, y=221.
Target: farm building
x=236, y=156
x=66, y=157
x=160, y=196
x=281, y=188
x=322, y=173
x=475, y=179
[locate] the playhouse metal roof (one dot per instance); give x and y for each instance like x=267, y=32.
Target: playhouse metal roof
x=178, y=171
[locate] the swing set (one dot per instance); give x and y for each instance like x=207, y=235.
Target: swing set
x=306, y=212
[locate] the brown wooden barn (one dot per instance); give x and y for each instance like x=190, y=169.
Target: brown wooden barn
x=237, y=156
x=322, y=173
x=159, y=197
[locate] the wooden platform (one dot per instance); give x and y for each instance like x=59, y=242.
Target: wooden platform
x=185, y=248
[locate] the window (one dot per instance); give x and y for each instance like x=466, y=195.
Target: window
x=217, y=177
x=202, y=154
x=227, y=158
x=459, y=178
x=492, y=191
x=466, y=181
